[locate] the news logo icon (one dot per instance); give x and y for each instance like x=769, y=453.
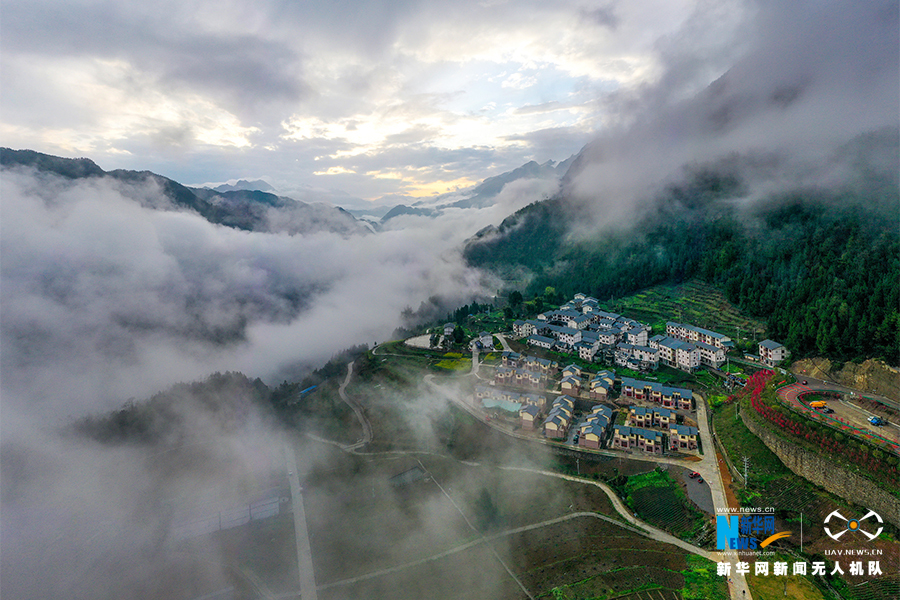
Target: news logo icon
x=852, y=525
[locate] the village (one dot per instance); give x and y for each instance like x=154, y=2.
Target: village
x=598, y=410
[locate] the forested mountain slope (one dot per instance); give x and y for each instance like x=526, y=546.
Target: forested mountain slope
x=821, y=266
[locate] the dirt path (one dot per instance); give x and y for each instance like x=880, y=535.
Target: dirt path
x=473, y=544
x=727, y=482
x=357, y=410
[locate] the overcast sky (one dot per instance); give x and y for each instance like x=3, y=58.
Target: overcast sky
x=372, y=97
x=104, y=297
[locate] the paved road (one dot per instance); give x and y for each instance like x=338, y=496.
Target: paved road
x=301, y=531
x=503, y=342
x=824, y=384
x=844, y=410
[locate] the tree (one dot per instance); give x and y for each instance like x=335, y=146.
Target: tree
x=515, y=298
x=458, y=335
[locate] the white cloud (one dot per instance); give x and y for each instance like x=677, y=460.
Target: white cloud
x=191, y=88
x=104, y=299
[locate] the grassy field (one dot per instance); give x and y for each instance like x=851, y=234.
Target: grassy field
x=795, y=587
x=701, y=581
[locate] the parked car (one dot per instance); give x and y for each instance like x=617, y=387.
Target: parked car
x=805, y=382
x=699, y=480
x=827, y=410
x=876, y=421
x=694, y=475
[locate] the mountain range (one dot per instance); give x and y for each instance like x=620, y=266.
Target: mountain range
x=256, y=206
x=233, y=206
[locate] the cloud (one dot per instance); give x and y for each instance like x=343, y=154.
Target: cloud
x=106, y=293
x=605, y=16
x=801, y=83
x=202, y=91
x=103, y=298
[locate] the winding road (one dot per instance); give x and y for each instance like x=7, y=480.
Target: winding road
x=358, y=411
x=708, y=467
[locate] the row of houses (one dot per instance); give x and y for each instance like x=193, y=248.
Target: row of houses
x=519, y=377
x=626, y=437
x=687, y=356
x=667, y=397
x=641, y=416
x=509, y=400
x=689, y=333
x=681, y=437
x=532, y=363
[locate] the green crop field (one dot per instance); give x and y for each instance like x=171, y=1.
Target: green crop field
x=656, y=498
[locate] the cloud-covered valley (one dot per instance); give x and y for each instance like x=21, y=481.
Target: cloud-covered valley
x=106, y=297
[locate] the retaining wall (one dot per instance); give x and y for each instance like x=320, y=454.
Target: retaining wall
x=821, y=471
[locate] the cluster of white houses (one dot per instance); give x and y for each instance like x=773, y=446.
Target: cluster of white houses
x=580, y=326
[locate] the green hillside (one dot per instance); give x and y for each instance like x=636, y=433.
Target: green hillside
x=820, y=268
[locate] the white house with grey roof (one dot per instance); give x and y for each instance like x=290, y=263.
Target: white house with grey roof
x=772, y=353
x=540, y=341
x=711, y=356
x=676, y=353
x=689, y=333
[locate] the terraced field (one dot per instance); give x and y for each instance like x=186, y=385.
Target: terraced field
x=693, y=302
x=656, y=498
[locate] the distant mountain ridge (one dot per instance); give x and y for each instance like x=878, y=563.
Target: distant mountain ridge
x=256, y=185
x=249, y=210
x=485, y=193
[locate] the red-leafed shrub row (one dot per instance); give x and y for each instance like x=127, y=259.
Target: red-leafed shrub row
x=832, y=443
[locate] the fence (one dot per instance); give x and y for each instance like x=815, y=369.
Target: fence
x=272, y=503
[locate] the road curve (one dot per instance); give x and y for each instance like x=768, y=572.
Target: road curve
x=357, y=410
x=708, y=467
